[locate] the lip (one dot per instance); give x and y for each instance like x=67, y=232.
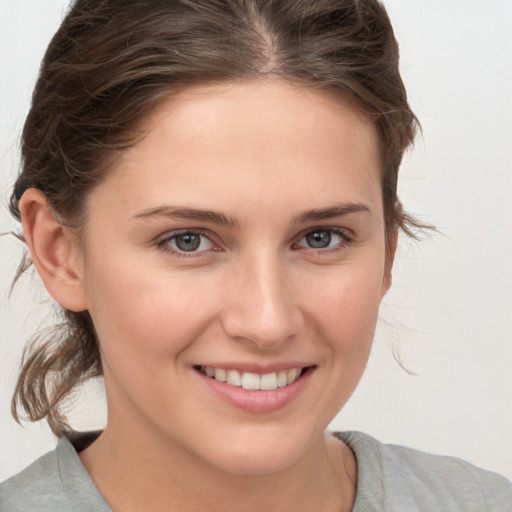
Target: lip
x=261, y=369
x=257, y=401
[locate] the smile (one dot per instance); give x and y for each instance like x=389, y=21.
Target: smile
x=253, y=381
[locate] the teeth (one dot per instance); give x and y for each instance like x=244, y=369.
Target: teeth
x=282, y=378
x=292, y=375
x=269, y=381
x=253, y=381
x=234, y=378
x=220, y=374
x=250, y=380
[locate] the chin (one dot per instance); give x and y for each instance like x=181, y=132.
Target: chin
x=260, y=454
x=256, y=463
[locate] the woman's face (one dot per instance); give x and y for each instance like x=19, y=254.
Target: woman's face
x=243, y=239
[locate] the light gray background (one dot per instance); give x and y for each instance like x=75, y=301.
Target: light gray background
x=449, y=312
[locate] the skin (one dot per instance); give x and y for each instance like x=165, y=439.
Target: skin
x=261, y=154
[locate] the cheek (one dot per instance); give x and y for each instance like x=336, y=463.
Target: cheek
x=346, y=304
x=144, y=325
x=144, y=311
x=346, y=314
x=343, y=313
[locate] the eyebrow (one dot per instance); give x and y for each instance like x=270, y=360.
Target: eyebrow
x=331, y=212
x=197, y=214
x=213, y=217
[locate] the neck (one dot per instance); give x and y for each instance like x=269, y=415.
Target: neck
x=129, y=467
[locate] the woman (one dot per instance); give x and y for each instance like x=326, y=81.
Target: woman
x=209, y=192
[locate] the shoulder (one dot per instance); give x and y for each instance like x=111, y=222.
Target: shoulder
x=397, y=478
x=37, y=485
x=55, y=482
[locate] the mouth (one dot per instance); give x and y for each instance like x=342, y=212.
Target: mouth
x=254, y=381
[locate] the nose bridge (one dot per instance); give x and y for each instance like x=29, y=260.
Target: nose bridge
x=263, y=307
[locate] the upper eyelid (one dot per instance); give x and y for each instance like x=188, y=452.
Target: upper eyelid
x=349, y=234
x=176, y=232
x=160, y=240
x=169, y=235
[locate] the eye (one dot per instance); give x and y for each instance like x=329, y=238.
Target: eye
x=324, y=238
x=186, y=242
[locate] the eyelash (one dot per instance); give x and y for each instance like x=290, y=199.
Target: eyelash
x=163, y=243
x=346, y=238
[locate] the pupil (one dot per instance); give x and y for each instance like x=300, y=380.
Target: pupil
x=188, y=242
x=319, y=239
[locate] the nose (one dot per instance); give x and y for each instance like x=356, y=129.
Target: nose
x=262, y=306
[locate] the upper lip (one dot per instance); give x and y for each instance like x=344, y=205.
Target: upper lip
x=260, y=369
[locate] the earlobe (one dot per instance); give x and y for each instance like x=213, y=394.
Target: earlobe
x=55, y=251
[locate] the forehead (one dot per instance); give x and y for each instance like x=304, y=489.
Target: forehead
x=271, y=107
x=262, y=139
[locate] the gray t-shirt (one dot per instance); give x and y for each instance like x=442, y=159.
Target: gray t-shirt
x=390, y=478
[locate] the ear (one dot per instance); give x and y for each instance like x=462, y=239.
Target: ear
x=55, y=251
x=391, y=244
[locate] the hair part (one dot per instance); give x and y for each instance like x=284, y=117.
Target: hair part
x=111, y=64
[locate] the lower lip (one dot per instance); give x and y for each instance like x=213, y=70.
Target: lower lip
x=257, y=401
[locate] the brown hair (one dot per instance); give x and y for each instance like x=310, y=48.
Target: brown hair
x=113, y=61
